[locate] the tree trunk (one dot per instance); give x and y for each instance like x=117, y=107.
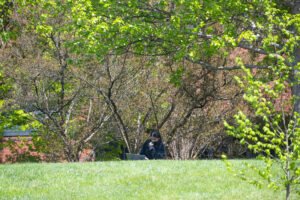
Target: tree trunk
x=296, y=87
x=295, y=91
x=288, y=192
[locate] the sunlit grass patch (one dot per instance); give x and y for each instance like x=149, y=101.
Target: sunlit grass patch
x=163, y=179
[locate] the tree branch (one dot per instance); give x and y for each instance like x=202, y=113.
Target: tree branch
x=252, y=48
x=167, y=116
x=90, y=110
x=257, y=50
x=154, y=112
x=289, y=3
x=180, y=124
x=207, y=65
x=103, y=119
x=243, y=45
x=68, y=117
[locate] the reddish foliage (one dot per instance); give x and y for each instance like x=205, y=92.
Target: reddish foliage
x=21, y=150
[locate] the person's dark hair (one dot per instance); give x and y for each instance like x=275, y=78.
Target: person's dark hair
x=155, y=133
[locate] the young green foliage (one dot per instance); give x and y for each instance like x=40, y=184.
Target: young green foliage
x=276, y=139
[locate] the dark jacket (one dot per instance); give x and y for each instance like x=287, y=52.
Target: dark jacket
x=157, y=151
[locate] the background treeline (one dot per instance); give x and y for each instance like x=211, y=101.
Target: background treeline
x=97, y=74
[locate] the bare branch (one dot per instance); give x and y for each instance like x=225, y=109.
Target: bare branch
x=104, y=119
x=256, y=50
x=243, y=45
x=68, y=117
x=204, y=36
x=153, y=108
x=180, y=124
x=137, y=138
x=167, y=116
x=90, y=110
x=289, y=3
x=85, y=139
x=252, y=48
x=207, y=65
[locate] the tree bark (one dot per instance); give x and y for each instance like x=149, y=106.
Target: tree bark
x=295, y=91
x=296, y=87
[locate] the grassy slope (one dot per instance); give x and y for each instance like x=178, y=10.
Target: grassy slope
x=127, y=180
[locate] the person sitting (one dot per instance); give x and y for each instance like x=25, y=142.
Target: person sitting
x=153, y=148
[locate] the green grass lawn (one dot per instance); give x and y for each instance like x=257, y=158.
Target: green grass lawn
x=164, y=179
